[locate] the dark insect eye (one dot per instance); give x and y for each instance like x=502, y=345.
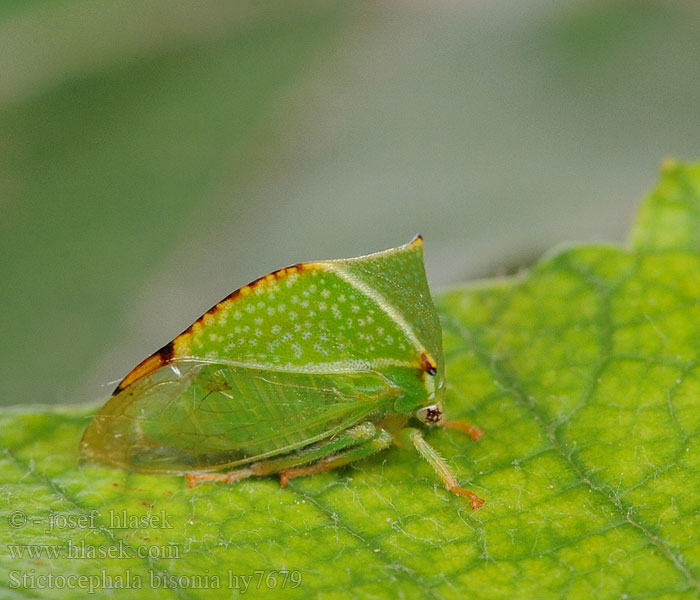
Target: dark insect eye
x=433, y=416
x=430, y=414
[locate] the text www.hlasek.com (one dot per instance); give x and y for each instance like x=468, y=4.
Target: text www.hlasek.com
x=81, y=550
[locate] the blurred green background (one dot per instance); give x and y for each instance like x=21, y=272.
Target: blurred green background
x=157, y=154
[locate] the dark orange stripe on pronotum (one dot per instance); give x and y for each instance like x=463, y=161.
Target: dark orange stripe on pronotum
x=176, y=347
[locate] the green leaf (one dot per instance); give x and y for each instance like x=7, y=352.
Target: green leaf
x=584, y=375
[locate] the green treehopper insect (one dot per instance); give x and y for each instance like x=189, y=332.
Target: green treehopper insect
x=304, y=370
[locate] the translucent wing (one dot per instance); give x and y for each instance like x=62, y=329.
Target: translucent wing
x=207, y=415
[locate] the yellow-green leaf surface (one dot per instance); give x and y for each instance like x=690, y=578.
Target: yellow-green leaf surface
x=583, y=373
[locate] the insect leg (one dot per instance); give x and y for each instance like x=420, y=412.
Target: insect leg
x=350, y=437
x=471, y=430
x=195, y=478
x=380, y=441
x=438, y=463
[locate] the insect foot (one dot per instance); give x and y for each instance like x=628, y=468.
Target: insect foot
x=472, y=431
x=194, y=478
x=475, y=500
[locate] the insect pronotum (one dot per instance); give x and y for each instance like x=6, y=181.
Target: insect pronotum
x=301, y=371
